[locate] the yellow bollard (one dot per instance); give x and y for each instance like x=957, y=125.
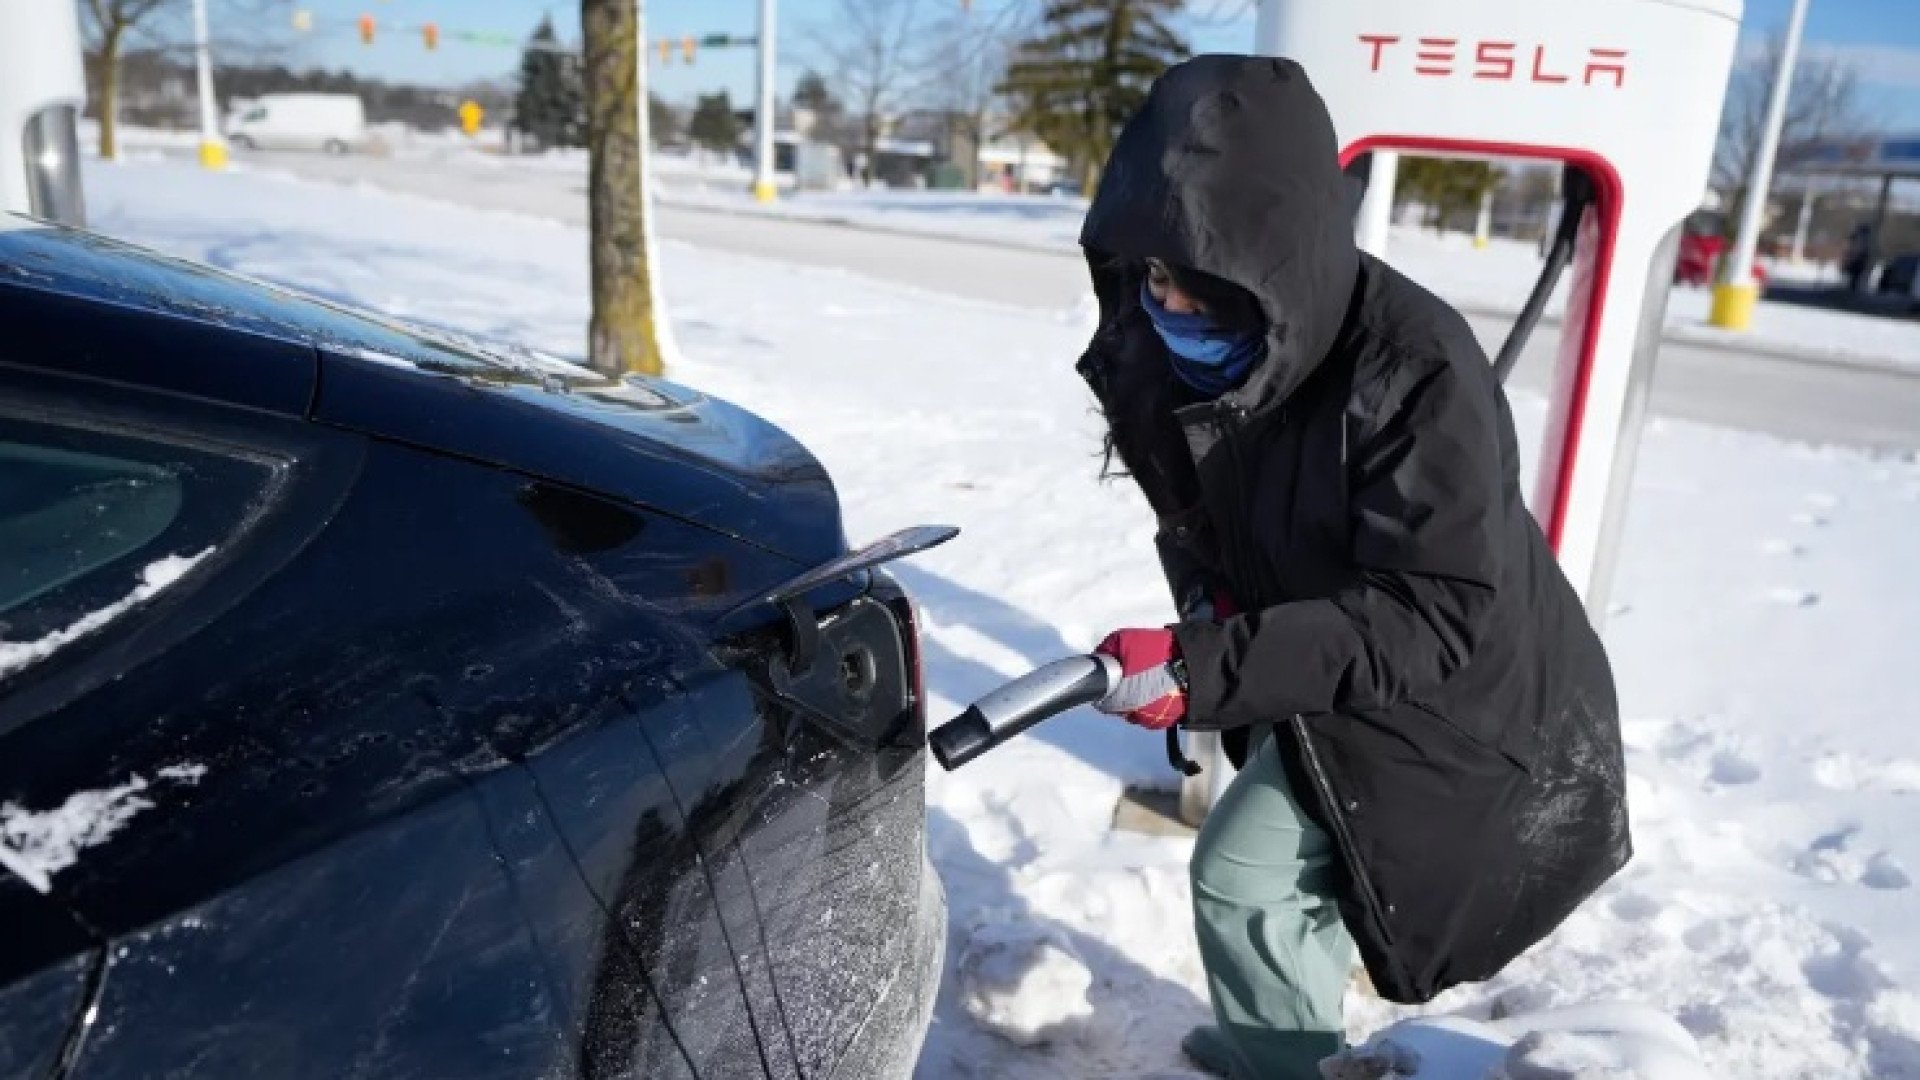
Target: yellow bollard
x=1481, y=243
x=765, y=191
x=1733, y=306
x=213, y=154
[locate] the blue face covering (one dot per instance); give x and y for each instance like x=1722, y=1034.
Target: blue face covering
x=1208, y=357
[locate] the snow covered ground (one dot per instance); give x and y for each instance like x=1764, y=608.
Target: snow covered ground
x=1763, y=633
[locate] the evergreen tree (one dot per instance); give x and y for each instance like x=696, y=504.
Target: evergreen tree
x=1086, y=70
x=551, y=106
x=831, y=124
x=714, y=124
x=664, y=125
x=811, y=93
x=1450, y=188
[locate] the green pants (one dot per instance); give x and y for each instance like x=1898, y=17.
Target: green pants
x=1276, y=954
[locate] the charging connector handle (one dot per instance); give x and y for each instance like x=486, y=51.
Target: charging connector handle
x=1022, y=703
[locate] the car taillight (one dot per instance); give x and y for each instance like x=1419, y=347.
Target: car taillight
x=909, y=620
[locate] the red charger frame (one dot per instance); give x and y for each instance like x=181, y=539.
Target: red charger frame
x=1587, y=298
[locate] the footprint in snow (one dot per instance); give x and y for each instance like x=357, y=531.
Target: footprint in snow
x=1718, y=761
x=1835, y=858
x=1730, y=767
x=1850, y=772
x=1845, y=973
x=1783, y=549
x=1817, y=521
x=1885, y=872
x=1635, y=907
x=1820, y=500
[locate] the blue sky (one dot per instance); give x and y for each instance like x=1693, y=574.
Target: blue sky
x=1881, y=36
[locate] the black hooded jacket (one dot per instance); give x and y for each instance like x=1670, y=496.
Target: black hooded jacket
x=1444, y=707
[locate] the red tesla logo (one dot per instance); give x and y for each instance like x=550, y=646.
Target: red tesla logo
x=1502, y=61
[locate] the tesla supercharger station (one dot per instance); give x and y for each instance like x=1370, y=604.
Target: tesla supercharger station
x=1626, y=92
x=42, y=92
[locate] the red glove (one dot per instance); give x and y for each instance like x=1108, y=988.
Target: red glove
x=1152, y=689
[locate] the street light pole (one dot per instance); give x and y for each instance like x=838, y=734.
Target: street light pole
x=1376, y=206
x=1806, y=221
x=764, y=189
x=1734, y=300
x=665, y=344
x=213, y=152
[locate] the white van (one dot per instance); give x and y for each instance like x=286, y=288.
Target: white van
x=335, y=123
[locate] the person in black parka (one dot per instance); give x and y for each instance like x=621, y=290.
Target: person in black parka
x=1424, y=718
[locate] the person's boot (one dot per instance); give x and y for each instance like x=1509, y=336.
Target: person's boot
x=1208, y=1050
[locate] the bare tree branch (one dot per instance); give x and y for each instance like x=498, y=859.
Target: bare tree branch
x=870, y=46
x=1823, y=105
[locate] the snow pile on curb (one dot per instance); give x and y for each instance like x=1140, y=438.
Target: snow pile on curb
x=1601, y=1042
x=1024, y=983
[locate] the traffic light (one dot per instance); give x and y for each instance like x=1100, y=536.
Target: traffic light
x=430, y=33
x=666, y=51
x=303, y=21
x=686, y=49
x=366, y=29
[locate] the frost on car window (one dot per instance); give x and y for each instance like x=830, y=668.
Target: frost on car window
x=37, y=844
x=16, y=655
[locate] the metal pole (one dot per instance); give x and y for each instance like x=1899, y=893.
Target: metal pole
x=1873, y=236
x=650, y=242
x=1806, y=222
x=1483, y=228
x=1376, y=208
x=213, y=152
x=764, y=189
x=1733, y=301
x=1197, y=793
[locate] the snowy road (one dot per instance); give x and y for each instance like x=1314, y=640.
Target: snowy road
x=1816, y=401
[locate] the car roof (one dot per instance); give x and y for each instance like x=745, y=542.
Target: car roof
x=72, y=300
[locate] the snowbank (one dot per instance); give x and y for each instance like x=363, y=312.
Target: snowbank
x=1024, y=983
x=1763, y=627
x=1041, y=221
x=1603, y=1042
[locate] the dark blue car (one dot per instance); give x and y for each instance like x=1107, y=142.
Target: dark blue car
x=378, y=704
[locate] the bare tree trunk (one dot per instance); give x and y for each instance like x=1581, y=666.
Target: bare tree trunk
x=110, y=93
x=977, y=140
x=872, y=136
x=621, y=336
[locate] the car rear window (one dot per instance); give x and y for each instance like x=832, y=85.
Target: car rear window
x=96, y=522
x=64, y=514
